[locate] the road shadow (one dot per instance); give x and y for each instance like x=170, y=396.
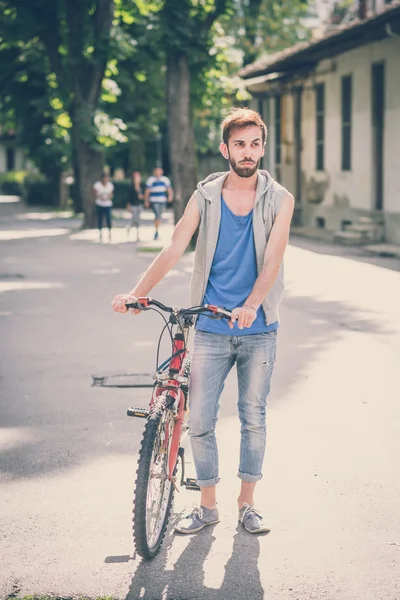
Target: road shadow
x=54, y=340
x=185, y=581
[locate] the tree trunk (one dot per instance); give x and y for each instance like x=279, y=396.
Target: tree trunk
x=77, y=198
x=90, y=167
x=53, y=174
x=85, y=77
x=88, y=160
x=181, y=137
x=362, y=9
x=136, y=156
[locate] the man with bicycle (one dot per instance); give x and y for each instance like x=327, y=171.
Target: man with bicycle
x=243, y=217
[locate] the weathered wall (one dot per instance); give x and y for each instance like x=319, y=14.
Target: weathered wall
x=334, y=194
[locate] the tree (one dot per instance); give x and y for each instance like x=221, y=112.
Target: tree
x=75, y=38
x=187, y=36
x=267, y=26
x=29, y=101
x=136, y=67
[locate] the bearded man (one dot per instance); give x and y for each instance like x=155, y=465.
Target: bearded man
x=243, y=217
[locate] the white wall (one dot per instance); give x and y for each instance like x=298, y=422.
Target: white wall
x=19, y=158
x=2, y=158
x=334, y=194
x=355, y=187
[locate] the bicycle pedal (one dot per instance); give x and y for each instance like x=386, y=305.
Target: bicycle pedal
x=141, y=413
x=191, y=484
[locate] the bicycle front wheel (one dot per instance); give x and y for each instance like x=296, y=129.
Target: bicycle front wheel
x=153, y=491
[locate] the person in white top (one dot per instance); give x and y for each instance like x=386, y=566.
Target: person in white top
x=104, y=191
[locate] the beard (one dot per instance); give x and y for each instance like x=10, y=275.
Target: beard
x=244, y=171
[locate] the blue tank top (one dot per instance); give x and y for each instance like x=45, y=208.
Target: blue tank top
x=233, y=274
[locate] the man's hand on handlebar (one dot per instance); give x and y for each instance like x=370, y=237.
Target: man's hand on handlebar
x=119, y=303
x=125, y=302
x=245, y=316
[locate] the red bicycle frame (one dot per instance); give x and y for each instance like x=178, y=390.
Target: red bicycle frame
x=172, y=387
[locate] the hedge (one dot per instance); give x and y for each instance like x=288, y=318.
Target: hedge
x=38, y=191
x=12, y=183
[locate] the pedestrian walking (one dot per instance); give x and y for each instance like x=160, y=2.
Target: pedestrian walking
x=135, y=203
x=158, y=193
x=243, y=217
x=104, y=191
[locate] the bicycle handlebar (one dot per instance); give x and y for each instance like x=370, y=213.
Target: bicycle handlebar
x=145, y=303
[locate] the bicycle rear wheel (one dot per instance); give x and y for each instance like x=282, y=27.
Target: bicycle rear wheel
x=153, y=491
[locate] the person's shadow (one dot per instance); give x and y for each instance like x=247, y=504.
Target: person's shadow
x=186, y=580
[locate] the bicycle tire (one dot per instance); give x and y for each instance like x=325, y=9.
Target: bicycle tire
x=148, y=448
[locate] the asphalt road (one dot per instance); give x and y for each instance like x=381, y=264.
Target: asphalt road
x=68, y=452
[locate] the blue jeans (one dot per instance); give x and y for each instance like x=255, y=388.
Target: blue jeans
x=213, y=357
x=157, y=208
x=103, y=212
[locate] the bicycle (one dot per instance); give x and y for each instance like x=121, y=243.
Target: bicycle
x=160, y=448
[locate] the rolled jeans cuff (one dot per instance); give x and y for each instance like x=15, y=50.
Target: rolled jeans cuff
x=249, y=478
x=207, y=482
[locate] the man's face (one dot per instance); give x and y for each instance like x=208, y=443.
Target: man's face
x=158, y=172
x=244, y=150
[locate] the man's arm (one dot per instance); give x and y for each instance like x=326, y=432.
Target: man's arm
x=273, y=256
x=274, y=252
x=170, y=194
x=146, y=198
x=171, y=253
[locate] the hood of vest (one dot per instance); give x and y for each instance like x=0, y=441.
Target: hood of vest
x=211, y=187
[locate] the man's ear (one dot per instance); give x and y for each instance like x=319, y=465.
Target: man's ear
x=224, y=150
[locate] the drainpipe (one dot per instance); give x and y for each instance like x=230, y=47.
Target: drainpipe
x=362, y=9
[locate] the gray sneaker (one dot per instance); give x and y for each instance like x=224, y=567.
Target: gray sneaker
x=199, y=517
x=251, y=520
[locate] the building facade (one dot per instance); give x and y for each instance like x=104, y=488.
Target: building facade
x=12, y=158
x=332, y=108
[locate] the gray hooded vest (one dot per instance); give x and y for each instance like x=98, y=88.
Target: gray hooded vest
x=269, y=197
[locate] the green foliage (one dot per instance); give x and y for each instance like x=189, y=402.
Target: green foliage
x=267, y=26
x=67, y=66
x=12, y=183
x=30, y=103
x=38, y=191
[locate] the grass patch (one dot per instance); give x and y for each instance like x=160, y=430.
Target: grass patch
x=149, y=249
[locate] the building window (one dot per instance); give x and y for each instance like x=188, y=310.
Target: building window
x=346, y=122
x=320, y=116
x=278, y=122
x=10, y=159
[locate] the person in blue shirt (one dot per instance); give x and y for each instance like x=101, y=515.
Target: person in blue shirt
x=158, y=193
x=243, y=217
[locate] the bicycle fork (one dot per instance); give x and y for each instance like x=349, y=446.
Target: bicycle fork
x=176, y=451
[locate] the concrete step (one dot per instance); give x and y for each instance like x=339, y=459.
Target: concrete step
x=367, y=232
x=384, y=250
x=362, y=227
x=371, y=232
x=376, y=217
x=349, y=238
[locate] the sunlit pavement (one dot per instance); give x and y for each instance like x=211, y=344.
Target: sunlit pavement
x=68, y=452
